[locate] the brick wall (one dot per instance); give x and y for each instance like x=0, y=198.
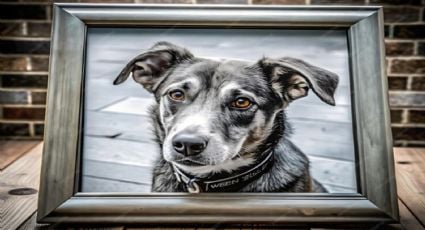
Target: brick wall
x=24, y=53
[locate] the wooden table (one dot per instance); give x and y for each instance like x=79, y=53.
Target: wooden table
x=20, y=163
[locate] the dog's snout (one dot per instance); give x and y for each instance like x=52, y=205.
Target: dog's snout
x=189, y=144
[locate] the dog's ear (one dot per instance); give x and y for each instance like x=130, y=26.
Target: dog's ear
x=149, y=67
x=292, y=78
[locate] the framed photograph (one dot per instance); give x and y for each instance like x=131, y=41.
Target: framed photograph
x=217, y=114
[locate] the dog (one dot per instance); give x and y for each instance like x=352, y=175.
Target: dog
x=221, y=125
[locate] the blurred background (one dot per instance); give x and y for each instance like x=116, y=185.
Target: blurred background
x=24, y=57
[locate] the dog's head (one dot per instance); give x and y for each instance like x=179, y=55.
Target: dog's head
x=212, y=115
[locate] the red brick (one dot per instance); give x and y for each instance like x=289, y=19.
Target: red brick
x=409, y=31
x=13, y=97
x=13, y=63
x=408, y=133
x=19, y=11
x=401, y=14
x=23, y=113
x=39, y=29
x=397, y=83
x=412, y=66
x=417, y=116
x=12, y=29
x=418, y=83
x=407, y=99
x=39, y=129
x=421, y=48
x=38, y=98
x=23, y=81
x=399, y=48
x=14, y=129
x=39, y=63
x=24, y=47
x=25, y=29
x=387, y=31
x=396, y=115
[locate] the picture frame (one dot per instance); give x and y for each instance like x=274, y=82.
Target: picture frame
x=61, y=202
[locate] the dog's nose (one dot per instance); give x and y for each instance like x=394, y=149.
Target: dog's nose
x=189, y=144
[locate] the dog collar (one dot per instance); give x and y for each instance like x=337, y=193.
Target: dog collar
x=227, y=184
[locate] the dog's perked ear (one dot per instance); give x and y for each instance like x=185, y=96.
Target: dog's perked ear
x=149, y=67
x=292, y=78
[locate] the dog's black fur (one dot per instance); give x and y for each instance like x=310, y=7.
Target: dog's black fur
x=234, y=137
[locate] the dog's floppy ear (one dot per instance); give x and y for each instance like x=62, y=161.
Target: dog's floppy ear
x=292, y=78
x=149, y=67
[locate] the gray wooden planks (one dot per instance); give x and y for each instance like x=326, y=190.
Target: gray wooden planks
x=331, y=150
x=325, y=132
x=323, y=170
x=93, y=184
x=120, y=172
x=316, y=111
x=120, y=151
x=105, y=124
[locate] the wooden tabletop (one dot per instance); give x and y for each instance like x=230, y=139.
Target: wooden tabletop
x=20, y=163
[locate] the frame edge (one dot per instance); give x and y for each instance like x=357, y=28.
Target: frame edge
x=63, y=97
x=374, y=141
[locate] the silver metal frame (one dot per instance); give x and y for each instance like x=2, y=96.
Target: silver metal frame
x=376, y=200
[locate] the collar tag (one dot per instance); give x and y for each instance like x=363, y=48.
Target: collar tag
x=192, y=186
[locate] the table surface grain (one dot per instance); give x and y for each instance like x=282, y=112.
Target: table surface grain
x=19, y=182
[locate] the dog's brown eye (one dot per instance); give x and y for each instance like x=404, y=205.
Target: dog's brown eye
x=176, y=95
x=241, y=103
